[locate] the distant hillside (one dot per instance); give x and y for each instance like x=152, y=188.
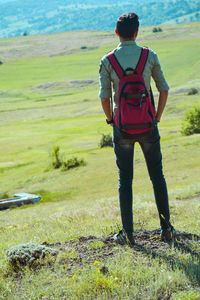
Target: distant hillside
x=47, y=16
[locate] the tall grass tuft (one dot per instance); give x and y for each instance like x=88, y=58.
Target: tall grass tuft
x=106, y=141
x=4, y=196
x=56, y=157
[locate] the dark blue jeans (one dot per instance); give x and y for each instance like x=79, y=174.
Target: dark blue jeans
x=124, y=151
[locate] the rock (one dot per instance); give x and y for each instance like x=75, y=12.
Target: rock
x=104, y=270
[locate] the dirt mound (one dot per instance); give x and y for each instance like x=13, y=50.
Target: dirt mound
x=86, y=250
x=148, y=239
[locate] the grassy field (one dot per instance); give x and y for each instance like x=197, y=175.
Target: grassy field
x=49, y=97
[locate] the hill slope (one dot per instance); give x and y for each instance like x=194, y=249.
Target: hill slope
x=19, y=17
x=48, y=97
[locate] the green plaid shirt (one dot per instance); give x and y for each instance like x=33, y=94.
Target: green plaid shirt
x=128, y=54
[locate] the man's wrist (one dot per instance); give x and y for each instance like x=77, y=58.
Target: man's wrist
x=157, y=119
x=109, y=121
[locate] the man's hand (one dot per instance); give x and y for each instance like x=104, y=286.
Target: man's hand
x=161, y=104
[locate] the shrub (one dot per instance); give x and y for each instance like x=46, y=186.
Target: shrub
x=106, y=141
x=58, y=161
x=157, y=29
x=192, y=91
x=28, y=254
x=191, y=123
x=73, y=162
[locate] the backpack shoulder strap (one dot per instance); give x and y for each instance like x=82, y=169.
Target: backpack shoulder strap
x=115, y=64
x=142, y=60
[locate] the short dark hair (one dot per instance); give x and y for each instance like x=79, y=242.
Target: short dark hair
x=127, y=25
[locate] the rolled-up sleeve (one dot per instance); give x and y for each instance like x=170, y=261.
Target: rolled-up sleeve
x=105, y=81
x=158, y=75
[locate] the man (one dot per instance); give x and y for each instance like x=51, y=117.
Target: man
x=128, y=54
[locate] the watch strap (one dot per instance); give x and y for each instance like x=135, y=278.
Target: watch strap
x=109, y=122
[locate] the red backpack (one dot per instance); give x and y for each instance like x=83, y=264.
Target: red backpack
x=135, y=113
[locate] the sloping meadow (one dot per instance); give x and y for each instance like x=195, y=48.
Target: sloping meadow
x=48, y=101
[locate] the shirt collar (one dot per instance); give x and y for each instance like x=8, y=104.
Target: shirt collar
x=127, y=43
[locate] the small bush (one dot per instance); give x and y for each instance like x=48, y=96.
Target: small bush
x=58, y=161
x=106, y=141
x=191, y=123
x=73, y=162
x=28, y=254
x=192, y=91
x=157, y=29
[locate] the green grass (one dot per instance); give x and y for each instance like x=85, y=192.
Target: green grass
x=90, y=284
x=84, y=201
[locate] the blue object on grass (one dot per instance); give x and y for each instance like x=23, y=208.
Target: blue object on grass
x=20, y=199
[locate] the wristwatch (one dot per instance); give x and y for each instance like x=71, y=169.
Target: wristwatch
x=109, y=122
x=157, y=120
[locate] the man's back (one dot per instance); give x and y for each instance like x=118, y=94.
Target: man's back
x=128, y=54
